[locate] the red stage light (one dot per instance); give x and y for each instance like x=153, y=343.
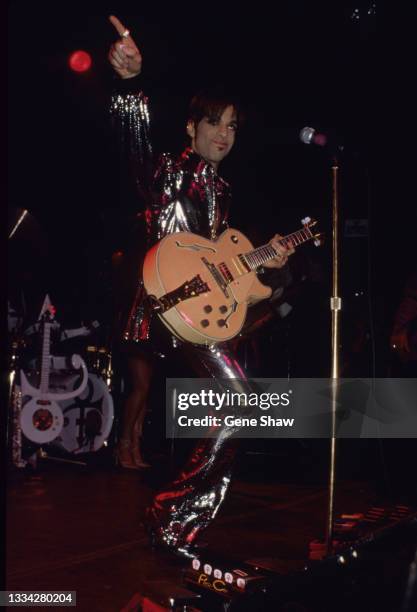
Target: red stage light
x=80, y=61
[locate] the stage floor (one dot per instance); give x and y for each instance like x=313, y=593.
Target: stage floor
x=79, y=528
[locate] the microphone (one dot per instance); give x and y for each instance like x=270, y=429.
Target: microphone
x=309, y=135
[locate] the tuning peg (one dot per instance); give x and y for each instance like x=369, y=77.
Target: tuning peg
x=318, y=239
x=309, y=222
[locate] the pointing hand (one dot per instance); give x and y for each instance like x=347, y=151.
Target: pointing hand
x=124, y=56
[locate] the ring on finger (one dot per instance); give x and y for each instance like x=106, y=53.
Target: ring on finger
x=125, y=34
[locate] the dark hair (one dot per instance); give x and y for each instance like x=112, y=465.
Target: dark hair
x=211, y=103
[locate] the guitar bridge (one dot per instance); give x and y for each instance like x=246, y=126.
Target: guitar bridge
x=216, y=275
x=187, y=290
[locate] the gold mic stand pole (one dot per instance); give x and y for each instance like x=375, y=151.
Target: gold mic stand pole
x=335, y=307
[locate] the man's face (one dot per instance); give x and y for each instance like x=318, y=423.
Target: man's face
x=214, y=138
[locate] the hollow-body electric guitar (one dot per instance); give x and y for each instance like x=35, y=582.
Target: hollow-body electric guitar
x=201, y=289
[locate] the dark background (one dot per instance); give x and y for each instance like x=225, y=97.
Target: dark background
x=293, y=64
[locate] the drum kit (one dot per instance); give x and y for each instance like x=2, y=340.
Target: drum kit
x=59, y=405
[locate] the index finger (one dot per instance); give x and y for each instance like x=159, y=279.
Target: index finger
x=118, y=25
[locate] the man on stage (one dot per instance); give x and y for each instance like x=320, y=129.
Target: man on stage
x=183, y=193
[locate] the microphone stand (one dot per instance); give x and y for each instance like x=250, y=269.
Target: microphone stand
x=13, y=428
x=335, y=307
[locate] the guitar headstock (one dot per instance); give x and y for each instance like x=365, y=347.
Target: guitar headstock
x=318, y=238
x=48, y=310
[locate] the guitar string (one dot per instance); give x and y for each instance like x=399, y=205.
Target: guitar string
x=266, y=252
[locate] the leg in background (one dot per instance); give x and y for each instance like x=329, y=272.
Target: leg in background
x=140, y=369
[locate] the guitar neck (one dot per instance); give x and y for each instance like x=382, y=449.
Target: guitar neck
x=256, y=258
x=45, y=365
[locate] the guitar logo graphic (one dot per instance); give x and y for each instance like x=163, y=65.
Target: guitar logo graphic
x=41, y=418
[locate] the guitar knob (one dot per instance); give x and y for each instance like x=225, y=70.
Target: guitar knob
x=221, y=322
x=235, y=239
x=223, y=309
x=207, y=308
x=205, y=323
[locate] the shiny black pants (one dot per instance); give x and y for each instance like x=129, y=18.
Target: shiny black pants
x=187, y=505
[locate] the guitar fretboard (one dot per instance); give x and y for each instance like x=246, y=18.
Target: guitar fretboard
x=265, y=253
x=45, y=365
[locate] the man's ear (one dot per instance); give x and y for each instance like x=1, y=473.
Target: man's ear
x=190, y=129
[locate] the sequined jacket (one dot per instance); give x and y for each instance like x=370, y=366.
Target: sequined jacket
x=179, y=193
